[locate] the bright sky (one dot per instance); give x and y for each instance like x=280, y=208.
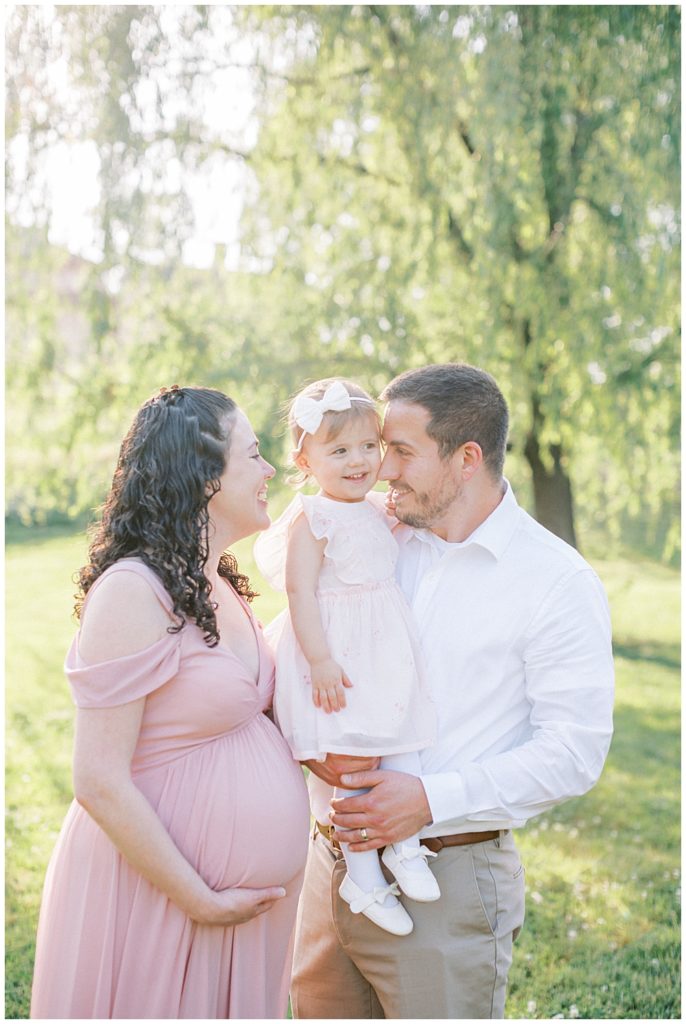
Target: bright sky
x=217, y=192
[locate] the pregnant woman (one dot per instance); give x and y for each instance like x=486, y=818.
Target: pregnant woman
x=173, y=887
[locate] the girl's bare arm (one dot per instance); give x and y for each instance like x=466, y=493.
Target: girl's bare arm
x=303, y=564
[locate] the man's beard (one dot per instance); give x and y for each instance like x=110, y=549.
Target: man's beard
x=431, y=508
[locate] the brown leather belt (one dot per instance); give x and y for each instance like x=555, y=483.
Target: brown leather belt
x=436, y=843
x=433, y=843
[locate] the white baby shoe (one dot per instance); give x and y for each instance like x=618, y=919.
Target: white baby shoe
x=394, y=919
x=417, y=882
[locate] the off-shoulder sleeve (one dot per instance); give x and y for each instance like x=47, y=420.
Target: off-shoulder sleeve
x=120, y=680
x=111, y=683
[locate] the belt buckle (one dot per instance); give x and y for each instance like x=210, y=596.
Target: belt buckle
x=325, y=830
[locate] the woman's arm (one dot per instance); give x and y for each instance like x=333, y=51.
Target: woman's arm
x=122, y=618
x=303, y=563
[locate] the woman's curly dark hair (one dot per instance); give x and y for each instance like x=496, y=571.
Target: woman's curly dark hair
x=169, y=467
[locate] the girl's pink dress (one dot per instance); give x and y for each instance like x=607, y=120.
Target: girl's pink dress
x=223, y=781
x=369, y=629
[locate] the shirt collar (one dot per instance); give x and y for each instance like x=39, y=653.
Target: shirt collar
x=494, y=534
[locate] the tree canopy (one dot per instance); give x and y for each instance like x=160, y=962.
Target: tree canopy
x=498, y=185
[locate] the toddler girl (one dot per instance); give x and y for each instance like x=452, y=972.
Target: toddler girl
x=347, y=673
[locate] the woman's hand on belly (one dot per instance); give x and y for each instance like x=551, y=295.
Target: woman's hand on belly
x=234, y=906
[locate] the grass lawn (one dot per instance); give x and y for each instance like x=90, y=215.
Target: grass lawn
x=603, y=881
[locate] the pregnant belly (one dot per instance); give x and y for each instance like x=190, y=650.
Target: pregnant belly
x=238, y=810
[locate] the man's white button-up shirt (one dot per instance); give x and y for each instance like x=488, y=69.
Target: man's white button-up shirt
x=516, y=636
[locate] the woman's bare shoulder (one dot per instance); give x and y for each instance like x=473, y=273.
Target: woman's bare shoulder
x=124, y=615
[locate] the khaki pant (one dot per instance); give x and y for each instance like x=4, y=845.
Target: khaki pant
x=453, y=965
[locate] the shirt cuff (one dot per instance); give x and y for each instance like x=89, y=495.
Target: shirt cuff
x=445, y=792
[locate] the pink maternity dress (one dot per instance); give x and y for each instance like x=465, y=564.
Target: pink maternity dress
x=223, y=781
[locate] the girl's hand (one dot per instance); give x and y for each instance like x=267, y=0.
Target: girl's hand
x=331, y=769
x=234, y=906
x=328, y=681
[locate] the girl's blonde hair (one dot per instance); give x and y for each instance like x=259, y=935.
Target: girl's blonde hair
x=334, y=420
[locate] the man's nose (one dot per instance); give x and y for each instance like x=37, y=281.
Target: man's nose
x=386, y=467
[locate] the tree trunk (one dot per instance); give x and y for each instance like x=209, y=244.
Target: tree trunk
x=552, y=490
x=552, y=487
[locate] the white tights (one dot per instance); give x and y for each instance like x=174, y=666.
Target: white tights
x=365, y=867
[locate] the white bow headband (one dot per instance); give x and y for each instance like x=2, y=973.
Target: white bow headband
x=309, y=412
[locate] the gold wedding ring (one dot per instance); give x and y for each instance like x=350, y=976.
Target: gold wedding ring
x=363, y=835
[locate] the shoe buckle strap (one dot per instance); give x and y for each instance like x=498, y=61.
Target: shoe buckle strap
x=413, y=852
x=377, y=895
x=425, y=852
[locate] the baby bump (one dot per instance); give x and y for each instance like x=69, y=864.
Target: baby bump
x=238, y=809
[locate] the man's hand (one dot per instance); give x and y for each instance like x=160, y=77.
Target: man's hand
x=395, y=808
x=336, y=765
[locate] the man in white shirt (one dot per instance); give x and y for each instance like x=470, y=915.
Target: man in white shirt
x=516, y=639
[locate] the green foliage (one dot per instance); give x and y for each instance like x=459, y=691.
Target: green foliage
x=70, y=400
x=487, y=183
x=602, y=929
x=498, y=185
